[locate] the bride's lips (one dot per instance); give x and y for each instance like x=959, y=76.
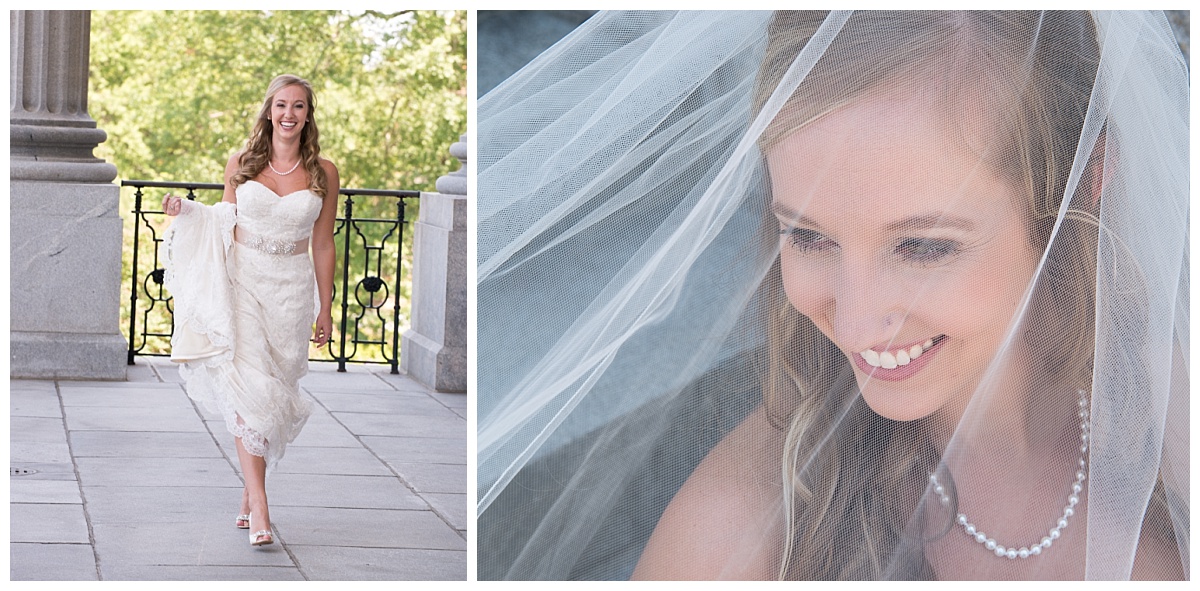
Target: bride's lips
x=900, y=372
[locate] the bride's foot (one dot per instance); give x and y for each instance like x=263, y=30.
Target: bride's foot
x=260, y=527
x=242, y=521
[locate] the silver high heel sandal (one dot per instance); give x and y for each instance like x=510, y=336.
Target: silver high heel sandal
x=242, y=521
x=262, y=537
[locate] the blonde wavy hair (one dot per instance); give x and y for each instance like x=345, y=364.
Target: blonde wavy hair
x=257, y=153
x=839, y=526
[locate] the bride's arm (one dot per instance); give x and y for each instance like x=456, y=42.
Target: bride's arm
x=724, y=523
x=324, y=256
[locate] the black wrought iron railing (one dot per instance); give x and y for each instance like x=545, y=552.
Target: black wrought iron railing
x=369, y=247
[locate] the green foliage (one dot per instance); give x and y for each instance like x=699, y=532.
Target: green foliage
x=177, y=92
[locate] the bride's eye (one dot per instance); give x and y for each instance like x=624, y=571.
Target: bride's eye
x=927, y=250
x=806, y=240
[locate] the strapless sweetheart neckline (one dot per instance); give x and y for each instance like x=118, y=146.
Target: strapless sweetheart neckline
x=269, y=190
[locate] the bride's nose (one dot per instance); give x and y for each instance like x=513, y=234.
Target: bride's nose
x=867, y=308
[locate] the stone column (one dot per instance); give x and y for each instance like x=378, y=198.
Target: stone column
x=65, y=230
x=434, y=350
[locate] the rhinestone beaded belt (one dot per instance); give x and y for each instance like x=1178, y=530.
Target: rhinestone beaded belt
x=270, y=245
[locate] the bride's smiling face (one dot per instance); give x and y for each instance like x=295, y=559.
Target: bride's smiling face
x=289, y=110
x=902, y=246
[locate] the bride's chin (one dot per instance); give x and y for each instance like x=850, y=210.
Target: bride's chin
x=897, y=404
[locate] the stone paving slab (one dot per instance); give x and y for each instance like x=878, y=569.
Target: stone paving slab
x=451, y=399
x=141, y=371
x=403, y=383
x=370, y=528
x=29, y=522
x=34, y=402
x=112, y=384
x=111, y=418
x=163, y=504
x=59, y=492
x=135, y=472
x=401, y=403
x=433, y=478
x=341, y=382
x=402, y=425
x=350, y=461
x=200, y=573
x=138, y=444
x=418, y=449
x=51, y=562
x=18, y=385
x=362, y=492
x=451, y=506
x=21, y=452
x=329, y=563
x=162, y=396
x=38, y=429
x=205, y=543
x=323, y=431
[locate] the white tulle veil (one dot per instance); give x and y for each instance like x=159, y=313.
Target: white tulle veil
x=828, y=295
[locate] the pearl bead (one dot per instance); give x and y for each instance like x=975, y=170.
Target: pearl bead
x=939, y=490
x=1068, y=511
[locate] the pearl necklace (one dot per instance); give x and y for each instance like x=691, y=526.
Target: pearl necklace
x=293, y=168
x=1068, y=511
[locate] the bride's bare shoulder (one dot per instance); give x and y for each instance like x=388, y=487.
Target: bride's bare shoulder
x=723, y=522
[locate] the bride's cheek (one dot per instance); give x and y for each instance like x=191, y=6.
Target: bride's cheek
x=806, y=288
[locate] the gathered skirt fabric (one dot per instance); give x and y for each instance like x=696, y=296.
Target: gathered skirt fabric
x=256, y=342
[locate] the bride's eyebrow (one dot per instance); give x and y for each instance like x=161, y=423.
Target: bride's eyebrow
x=789, y=216
x=931, y=221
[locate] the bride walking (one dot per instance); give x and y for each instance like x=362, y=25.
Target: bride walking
x=244, y=300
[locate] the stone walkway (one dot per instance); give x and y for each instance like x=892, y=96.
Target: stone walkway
x=132, y=481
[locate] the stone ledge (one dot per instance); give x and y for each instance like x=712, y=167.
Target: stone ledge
x=67, y=356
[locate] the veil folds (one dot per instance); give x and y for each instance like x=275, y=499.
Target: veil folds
x=828, y=295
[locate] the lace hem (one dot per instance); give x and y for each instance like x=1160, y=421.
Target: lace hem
x=204, y=387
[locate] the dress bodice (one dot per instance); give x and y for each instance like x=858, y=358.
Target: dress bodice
x=264, y=213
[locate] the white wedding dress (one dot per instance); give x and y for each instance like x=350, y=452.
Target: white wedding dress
x=243, y=316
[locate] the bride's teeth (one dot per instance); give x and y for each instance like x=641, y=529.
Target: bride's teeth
x=887, y=360
x=902, y=357
x=871, y=357
x=915, y=352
